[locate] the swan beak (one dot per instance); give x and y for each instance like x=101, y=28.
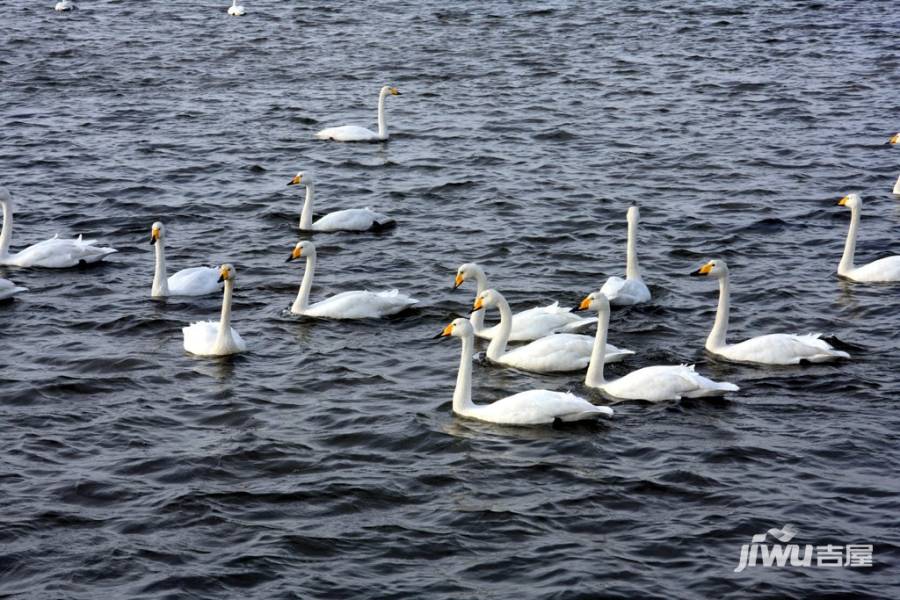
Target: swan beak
x=459, y=280
x=895, y=139
x=154, y=236
x=296, y=180
x=585, y=304
x=448, y=330
x=843, y=201
x=394, y=91
x=479, y=304
x=223, y=274
x=704, y=270
x=295, y=254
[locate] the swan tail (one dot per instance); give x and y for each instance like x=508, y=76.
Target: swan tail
x=815, y=340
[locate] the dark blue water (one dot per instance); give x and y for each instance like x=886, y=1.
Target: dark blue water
x=325, y=462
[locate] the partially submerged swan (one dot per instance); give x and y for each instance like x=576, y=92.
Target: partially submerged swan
x=352, y=133
x=883, y=269
x=631, y=290
x=352, y=219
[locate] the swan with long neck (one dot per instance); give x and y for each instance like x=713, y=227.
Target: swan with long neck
x=353, y=133
x=527, y=325
x=346, y=305
x=534, y=407
x=882, y=270
x=553, y=353
x=8, y=289
x=772, y=349
x=352, y=219
x=656, y=383
x=631, y=290
x=54, y=253
x=211, y=338
x=195, y=281
x=236, y=10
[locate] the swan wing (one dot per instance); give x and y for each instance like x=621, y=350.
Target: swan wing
x=782, y=349
x=625, y=292
x=354, y=219
x=883, y=269
x=200, y=337
x=658, y=383
x=539, y=321
x=361, y=305
x=539, y=407
x=8, y=289
x=348, y=133
x=195, y=281
x=57, y=253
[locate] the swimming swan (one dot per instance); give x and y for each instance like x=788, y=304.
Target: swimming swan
x=195, y=281
x=208, y=338
x=54, y=253
x=346, y=305
x=772, y=349
x=631, y=290
x=64, y=5
x=553, y=353
x=528, y=324
x=534, y=407
x=352, y=133
x=656, y=383
x=236, y=11
x=883, y=269
x=353, y=219
x=8, y=289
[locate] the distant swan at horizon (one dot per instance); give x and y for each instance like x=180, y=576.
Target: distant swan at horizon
x=211, y=338
x=8, y=289
x=631, y=290
x=236, y=10
x=359, y=304
x=351, y=219
x=54, y=253
x=64, y=5
x=533, y=407
x=194, y=281
x=881, y=270
x=353, y=133
x=771, y=349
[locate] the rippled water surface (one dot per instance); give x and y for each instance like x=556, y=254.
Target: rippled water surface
x=325, y=462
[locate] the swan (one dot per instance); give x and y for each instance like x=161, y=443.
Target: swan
x=208, y=338
x=196, y=281
x=235, y=10
x=631, y=290
x=352, y=133
x=883, y=269
x=534, y=407
x=346, y=305
x=54, y=253
x=64, y=5
x=352, y=219
x=8, y=289
x=527, y=325
x=553, y=353
x=654, y=383
x=772, y=349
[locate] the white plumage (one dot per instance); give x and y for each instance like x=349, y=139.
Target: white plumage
x=8, y=289
x=631, y=290
x=236, y=10
x=353, y=133
x=211, y=338
x=881, y=270
x=194, y=281
x=353, y=219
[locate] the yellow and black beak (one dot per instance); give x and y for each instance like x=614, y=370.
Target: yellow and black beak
x=458, y=281
x=895, y=139
x=843, y=201
x=154, y=235
x=704, y=270
x=223, y=274
x=585, y=304
x=295, y=254
x=297, y=180
x=394, y=91
x=448, y=330
x=479, y=304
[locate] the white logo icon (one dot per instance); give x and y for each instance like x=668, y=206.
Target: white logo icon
x=759, y=553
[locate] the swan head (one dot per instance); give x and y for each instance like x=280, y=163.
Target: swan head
x=156, y=232
x=633, y=213
x=466, y=272
x=303, y=249
x=596, y=301
x=460, y=328
x=487, y=299
x=714, y=268
x=895, y=139
x=850, y=201
x=226, y=273
x=302, y=178
x=389, y=90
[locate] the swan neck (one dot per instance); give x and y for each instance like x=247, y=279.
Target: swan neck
x=631, y=262
x=225, y=321
x=848, y=259
x=477, y=316
x=716, y=337
x=594, y=377
x=382, y=122
x=160, y=282
x=462, y=395
x=306, y=212
x=6, y=232
x=497, y=347
x=302, y=301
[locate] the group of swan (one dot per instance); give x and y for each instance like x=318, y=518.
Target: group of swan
x=353, y=219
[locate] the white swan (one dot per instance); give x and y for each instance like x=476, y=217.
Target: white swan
x=209, y=338
x=54, y=253
x=883, y=269
x=656, y=383
x=346, y=305
x=351, y=219
x=553, y=353
x=236, y=10
x=528, y=324
x=8, y=289
x=534, y=407
x=195, y=281
x=64, y=5
x=631, y=290
x=772, y=349
x=352, y=133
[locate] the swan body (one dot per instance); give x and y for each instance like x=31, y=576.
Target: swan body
x=211, y=338
x=346, y=305
x=772, y=349
x=353, y=219
x=54, y=253
x=8, y=289
x=236, y=10
x=527, y=325
x=881, y=270
x=631, y=290
x=352, y=133
x=656, y=383
x=553, y=353
x=64, y=5
x=533, y=407
x=195, y=281
x=896, y=189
